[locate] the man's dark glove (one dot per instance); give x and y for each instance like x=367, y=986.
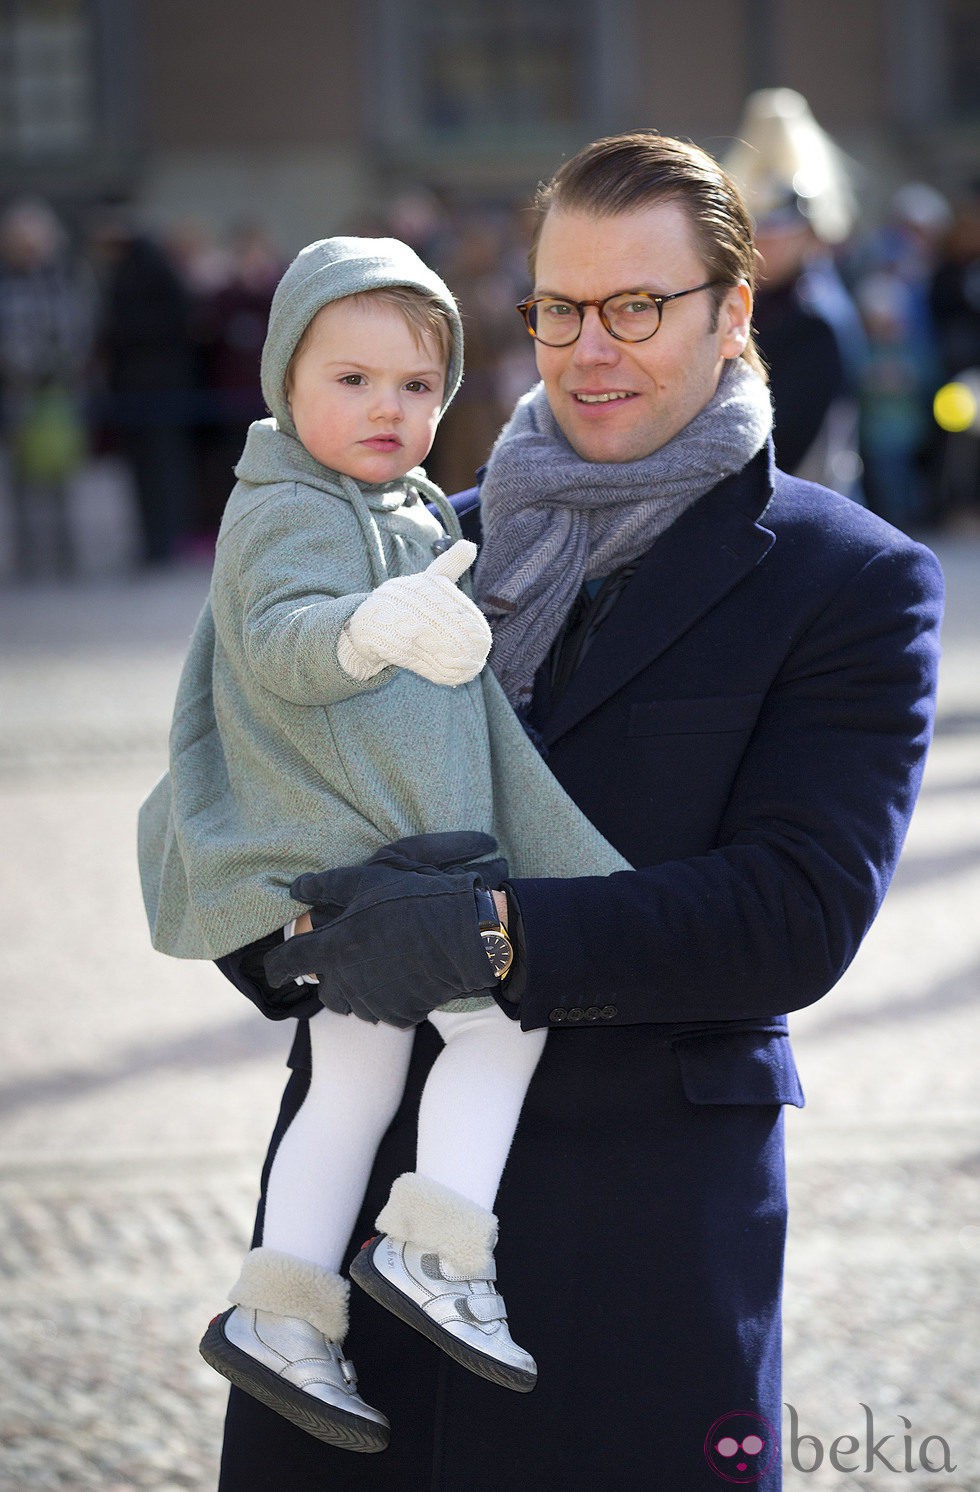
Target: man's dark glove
x=329, y=892
x=399, y=935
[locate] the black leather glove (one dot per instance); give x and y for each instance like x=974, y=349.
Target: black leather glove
x=399, y=935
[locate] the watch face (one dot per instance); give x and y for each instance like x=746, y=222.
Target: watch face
x=499, y=952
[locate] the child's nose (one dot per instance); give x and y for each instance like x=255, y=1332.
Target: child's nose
x=387, y=405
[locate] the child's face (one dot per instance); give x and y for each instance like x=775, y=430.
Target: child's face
x=365, y=394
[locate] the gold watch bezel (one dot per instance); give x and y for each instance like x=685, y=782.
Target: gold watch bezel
x=498, y=947
x=496, y=939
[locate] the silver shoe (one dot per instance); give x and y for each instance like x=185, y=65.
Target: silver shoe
x=464, y=1316
x=294, y=1369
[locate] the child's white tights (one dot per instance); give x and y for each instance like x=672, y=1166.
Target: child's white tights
x=467, y=1118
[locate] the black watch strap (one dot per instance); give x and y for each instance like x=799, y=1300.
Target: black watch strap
x=496, y=942
x=486, y=907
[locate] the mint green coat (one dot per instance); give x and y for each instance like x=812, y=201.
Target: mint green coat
x=281, y=763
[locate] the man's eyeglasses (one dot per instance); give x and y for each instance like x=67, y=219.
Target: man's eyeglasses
x=629, y=315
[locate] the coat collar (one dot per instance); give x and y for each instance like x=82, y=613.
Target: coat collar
x=667, y=594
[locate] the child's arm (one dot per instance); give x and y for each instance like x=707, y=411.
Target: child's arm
x=293, y=572
x=302, y=584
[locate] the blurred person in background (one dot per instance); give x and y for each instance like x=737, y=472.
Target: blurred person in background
x=908, y=245
x=146, y=362
x=797, y=185
x=45, y=333
x=202, y=262
x=891, y=272
x=896, y=395
x=955, y=302
x=229, y=325
x=426, y=224
x=480, y=270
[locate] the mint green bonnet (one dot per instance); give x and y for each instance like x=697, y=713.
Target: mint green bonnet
x=327, y=271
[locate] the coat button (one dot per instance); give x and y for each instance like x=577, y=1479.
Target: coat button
x=558, y=1014
x=608, y=1011
x=592, y=1014
x=575, y=1014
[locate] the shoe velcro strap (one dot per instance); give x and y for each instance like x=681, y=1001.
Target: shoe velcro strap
x=482, y=1308
x=447, y=1271
x=479, y=1310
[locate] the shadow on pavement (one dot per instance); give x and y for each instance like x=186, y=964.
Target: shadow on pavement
x=221, y=1046
x=960, y=991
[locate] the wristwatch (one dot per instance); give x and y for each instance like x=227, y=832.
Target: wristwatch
x=499, y=948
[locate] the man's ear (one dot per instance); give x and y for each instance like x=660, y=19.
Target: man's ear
x=735, y=320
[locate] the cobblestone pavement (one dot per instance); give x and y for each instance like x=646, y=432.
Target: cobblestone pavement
x=136, y=1096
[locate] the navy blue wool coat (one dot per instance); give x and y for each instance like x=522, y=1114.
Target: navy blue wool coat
x=748, y=727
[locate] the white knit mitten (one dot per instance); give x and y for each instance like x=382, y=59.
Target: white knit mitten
x=420, y=622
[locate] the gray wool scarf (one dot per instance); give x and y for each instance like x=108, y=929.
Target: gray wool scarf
x=552, y=521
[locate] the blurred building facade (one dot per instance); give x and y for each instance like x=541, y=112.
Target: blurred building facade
x=315, y=113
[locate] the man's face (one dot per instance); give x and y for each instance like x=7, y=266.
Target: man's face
x=657, y=386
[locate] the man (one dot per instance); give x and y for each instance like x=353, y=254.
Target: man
x=798, y=186
x=815, y=348
x=732, y=673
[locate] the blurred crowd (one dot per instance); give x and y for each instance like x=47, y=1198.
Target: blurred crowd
x=870, y=331
x=144, y=347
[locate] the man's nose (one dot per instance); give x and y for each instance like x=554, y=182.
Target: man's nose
x=594, y=344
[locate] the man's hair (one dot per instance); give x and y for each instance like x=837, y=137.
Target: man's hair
x=627, y=173
x=427, y=317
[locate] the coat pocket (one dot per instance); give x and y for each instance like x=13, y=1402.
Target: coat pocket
x=694, y=717
x=743, y=1067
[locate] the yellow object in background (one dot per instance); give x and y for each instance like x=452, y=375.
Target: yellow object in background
x=49, y=439
x=956, y=406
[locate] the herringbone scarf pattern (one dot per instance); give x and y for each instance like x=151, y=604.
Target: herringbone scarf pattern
x=552, y=521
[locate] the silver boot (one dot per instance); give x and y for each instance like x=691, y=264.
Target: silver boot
x=281, y=1344
x=294, y=1369
x=463, y=1314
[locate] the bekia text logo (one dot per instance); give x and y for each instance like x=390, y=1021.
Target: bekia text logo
x=741, y=1447
x=893, y=1451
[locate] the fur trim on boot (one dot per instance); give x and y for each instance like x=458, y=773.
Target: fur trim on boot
x=432, y=1216
x=271, y=1281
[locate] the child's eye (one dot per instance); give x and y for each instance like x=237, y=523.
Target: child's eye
x=417, y=386
x=353, y=380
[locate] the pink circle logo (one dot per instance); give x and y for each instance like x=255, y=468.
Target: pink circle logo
x=741, y=1447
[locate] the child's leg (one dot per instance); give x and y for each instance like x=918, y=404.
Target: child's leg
x=282, y=1340
x=433, y=1263
x=316, y=1185
x=472, y=1099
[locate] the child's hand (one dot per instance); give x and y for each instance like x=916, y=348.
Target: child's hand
x=420, y=622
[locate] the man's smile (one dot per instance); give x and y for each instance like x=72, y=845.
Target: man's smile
x=603, y=398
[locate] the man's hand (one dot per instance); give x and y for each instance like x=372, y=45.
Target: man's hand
x=396, y=937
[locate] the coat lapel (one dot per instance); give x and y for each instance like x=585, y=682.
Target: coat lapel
x=668, y=594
